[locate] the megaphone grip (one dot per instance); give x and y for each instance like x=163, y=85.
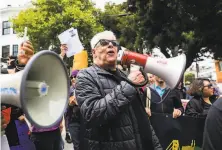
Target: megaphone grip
x=141, y=84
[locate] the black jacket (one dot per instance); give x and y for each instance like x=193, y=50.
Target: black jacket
x=73, y=113
x=109, y=118
x=170, y=100
x=196, y=107
x=213, y=127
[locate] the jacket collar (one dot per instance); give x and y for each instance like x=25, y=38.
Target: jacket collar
x=105, y=72
x=101, y=70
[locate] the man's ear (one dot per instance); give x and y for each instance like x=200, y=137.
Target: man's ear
x=94, y=52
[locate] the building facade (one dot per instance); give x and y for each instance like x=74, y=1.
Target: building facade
x=9, y=41
x=218, y=66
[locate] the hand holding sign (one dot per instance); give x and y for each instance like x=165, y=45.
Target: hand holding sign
x=71, y=39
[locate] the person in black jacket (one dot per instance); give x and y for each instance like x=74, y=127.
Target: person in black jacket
x=164, y=99
x=213, y=127
x=112, y=109
x=201, y=89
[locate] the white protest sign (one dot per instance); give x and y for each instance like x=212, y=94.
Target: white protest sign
x=70, y=37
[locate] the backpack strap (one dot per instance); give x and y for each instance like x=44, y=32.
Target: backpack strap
x=148, y=97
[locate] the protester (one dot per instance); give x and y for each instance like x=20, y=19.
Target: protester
x=73, y=114
x=44, y=139
x=114, y=116
x=201, y=89
x=164, y=99
x=213, y=127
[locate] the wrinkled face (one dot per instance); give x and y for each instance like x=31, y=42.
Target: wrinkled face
x=105, y=52
x=207, y=89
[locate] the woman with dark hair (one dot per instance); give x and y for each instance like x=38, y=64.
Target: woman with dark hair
x=201, y=89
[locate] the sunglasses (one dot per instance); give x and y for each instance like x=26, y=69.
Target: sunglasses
x=104, y=42
x=209, y=86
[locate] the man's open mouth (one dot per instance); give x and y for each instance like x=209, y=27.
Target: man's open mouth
x=110, y=52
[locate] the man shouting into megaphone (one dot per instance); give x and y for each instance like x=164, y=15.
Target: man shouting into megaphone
x=111, y=107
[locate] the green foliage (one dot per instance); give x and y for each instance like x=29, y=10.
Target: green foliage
x=116, y=19
x=188, y=36
x=175, y=24
x=189, y=77
x=48, y=18
x=191, y=25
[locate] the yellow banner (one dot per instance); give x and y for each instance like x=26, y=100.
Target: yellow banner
x=80, y=60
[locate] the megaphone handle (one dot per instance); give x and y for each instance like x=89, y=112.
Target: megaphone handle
x=145, y=77
x=141, y=84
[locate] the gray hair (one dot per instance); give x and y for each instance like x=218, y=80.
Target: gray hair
x=109, y=35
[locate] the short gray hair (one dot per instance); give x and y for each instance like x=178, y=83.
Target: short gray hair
x=109, y=35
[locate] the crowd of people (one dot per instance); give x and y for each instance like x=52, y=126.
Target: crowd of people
x=107, y=112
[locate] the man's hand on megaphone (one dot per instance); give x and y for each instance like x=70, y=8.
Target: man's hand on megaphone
x=176, y=113
x=26, y=51
x=136, y=77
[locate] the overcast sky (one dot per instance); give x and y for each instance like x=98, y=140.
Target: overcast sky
x=99, y=3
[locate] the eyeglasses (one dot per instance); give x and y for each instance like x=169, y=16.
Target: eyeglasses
x=104, y=42
x=209, y=86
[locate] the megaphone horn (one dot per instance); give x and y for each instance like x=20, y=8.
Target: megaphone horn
x=170, y=70
x=41, y=89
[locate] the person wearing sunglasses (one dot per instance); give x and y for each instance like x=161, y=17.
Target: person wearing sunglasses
x=201, y=89
x=114, y=117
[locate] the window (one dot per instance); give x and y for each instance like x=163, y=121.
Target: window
x=6, y=27
x=220, y=65
x=15, y=50
x=5, y=51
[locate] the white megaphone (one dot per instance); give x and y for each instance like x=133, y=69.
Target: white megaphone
x=41, y=89
x=170, y=70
